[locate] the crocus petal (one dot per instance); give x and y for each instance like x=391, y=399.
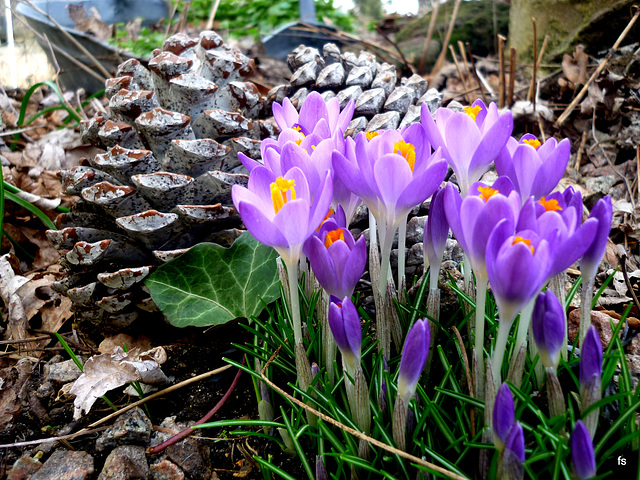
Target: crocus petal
x=285, y=115
x=461, y=126
x=551, y=170
x=292, y=220
x=515, y=441
x=503, y=413
x=452, y=206
x=424, y=184
x=603, y=211
x=582, y=453
x=249, y=163
x=339, y=253
x=322, y=264
x=414, y=356
x=262, y=228
x=354, y=266
x=548, y=325
x=570, y=250
x=590, y=356
x=321, y=203
x=392, y=175
x=349, y=174
x=489, y=146
x=345, y=116
x=313, y=109
x=526, y=163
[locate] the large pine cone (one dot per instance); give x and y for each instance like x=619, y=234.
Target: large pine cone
x=171, y=141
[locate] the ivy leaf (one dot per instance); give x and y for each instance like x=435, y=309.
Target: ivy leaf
x=211, y=285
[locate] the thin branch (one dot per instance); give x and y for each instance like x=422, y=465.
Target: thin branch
x=435, y=5
x=445, y=43
x=600, y=68
x=71, y=436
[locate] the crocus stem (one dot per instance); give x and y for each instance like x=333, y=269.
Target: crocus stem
x=498, y=351
x=586, y=297
x=468, y=284
x=481, y=296
x=373, y=233
x=554, y=392
x=399, y=423
x=292, y=272
x=402, y=237
x=515, y=375
x=385, y=257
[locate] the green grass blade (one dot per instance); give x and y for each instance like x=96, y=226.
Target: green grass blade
x=269, y=466
x=32, y=208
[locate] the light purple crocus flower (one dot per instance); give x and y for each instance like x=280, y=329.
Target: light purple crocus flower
x=513, y=459
x=469, y=140
x=591, y=358
x=436, y=231
x=582, y=453
x=316, y=115
x=347, y=332
x=279, y=212
x=534, y=168
x=337, y=260
x=473, y=218
x=603, y=211
x=414, y=356
x=503, y=415
x=548, y=325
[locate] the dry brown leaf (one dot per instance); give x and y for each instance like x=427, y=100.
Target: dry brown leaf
x=109, y=343
x=10, y=283
x=109, y=371
x=91, y=22
x=12, y=380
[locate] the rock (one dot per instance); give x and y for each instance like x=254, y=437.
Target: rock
x=415, y=229
x=127, y=462
x=24, y=467
x=63, y=372
x=415, y=256
x=189, y=454
x=166, y=470
x=602, y=184
x=131, y=428
x=598, y=319
x=66, y=465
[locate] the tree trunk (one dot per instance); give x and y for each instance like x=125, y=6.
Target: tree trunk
x=594, y=23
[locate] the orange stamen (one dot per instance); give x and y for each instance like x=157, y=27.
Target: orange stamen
x=550, y=205
x=473, y=111
x=329, y=213
x=407, y=150
x=279, y=190
x=526, y=241
x=371, y=135
x=534, y=142
x=299, y=141
x=333, y=236
x=486, y=193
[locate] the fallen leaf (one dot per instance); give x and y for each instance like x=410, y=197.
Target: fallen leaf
x=10, y=283
x=109, y=371
x=575, y=68
x=91, y=23
x=109, y=343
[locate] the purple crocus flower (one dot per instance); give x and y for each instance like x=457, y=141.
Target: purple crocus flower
x=345, y=326
x=517, y=267
x=603, y=211
x=513, y=459
x=414, y=356
x=503, y=415
x=534, y=168
x=279, y=212
x=582, y=454
x=315, y=115
x=591, y=358
x=548, y=325
x=469, y=140
x=436, y=230
x=337, y=260
x=473, y=218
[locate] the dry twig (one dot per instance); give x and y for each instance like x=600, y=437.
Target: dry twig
x=447, y=37
x=512, y=75
x=435, y=5
x=502, y=78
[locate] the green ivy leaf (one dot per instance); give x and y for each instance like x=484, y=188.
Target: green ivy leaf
x=211, y=285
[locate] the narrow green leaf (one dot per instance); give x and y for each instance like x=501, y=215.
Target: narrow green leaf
x=32, y=208
x=211, y=285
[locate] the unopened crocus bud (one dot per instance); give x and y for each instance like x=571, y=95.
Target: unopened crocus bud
x=548, y=327
x=590, y=377
x=345, y=326
x=436, y=232
x=315, y=370
x=603, y=211
x=414, y=356
x=382, y=394
x=513, y=459
x=582, y=455
x=503, y=416
x=321, y=471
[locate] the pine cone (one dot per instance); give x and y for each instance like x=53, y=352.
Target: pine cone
x=171, y=140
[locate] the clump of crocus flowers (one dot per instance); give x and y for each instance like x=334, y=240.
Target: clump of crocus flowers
x=517, y=235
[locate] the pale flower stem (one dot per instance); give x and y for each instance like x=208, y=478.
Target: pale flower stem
x=468, y=284
x=586, y=297
x=385, y=255
x=373, y=234
x=499, y=349
x=521, y=335
x=402, y=242
x=481, y=297
x=292, y=272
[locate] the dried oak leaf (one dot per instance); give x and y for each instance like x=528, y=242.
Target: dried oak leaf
x=575, y=68
x=109, y=371
x=91, y=23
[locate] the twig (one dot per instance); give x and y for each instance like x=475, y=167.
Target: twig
x=583, y=142
x=435, y=5
x=462, y=78
x=397, y=49
x=475, y=74
x=25, y=340
x=542, y=50
x=512, y=75
x=445, y=43
x=78, y=45
x=55, y=79
x=65, y=54
x=354, y=432
x=623, y=262
x=71, y=436
x=212, y=15
x=531, y=95
x=463, y=54
x=502, y=78
x=189, y=430
x=541, y=127
x=161, y=393
x=601, y=67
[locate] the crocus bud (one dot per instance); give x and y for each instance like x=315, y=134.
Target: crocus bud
x=436, y=231
x=548, y=327
x=513, y=459
x=503, y=416
x=603, y=211
x=382, y=394
x=414, y=356
x=590, y=377
x=321, y=471
x=345, y=326
x=315, y=370
x=582, y=455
